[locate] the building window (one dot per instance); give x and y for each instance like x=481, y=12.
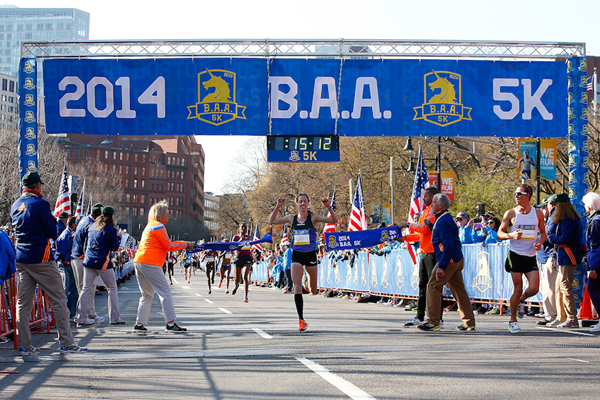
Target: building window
x=152, y=172
x=152, y=187
x=126, y=183
x=183, y=162
x=135, y=183
x=143, y=198
x=106, y=154
x=135, y=170
x=162, y=173
x=142, y=211
x=127, y=210
x=135, y=157
x=135, y=211
x=114, y=168
x=127, y=198
x=143, y=158
x=182, y=174
x=170, y=201
x=143, y=171
x=120, y=156
x=127, y=170
x=178, y=161
x=121, y=169
x=126, y=156
x=76, y=153
x=11, y=86
x=180, y=201
x=87, y=154
x=135, y=198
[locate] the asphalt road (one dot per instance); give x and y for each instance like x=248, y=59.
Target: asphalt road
x=234, y=350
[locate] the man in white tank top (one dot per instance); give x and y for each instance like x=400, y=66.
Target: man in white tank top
x=524, y=227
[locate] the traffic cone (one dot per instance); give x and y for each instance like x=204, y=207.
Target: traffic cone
x=585, y=311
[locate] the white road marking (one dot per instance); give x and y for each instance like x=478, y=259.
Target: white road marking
x=175, y=280
x=186, y=287
x=208, y=301
x=566, y=331
x=225, y=311
x=198, y=294
x=349, y=389
x=575, y=359
x=262, y=333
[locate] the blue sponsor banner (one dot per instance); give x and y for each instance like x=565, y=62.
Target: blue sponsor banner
x=199, y=96
x=578, y=132
x=418, y=97
x=243, y=97
x=28, y=132
x=359, y=239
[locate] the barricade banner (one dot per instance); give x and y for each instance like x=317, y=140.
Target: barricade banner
x=361, y=97
x=260, y=271
x=28, y=124
x=395, y=274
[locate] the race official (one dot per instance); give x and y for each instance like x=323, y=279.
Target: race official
x=448, y=269
x=34, y=227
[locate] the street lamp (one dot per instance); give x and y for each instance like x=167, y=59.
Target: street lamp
x=409, y=146
x=411, y=166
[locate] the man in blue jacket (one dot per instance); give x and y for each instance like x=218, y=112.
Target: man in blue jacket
x=448, y=269
x=64, y=244
x=77, y=254
x=34, y=227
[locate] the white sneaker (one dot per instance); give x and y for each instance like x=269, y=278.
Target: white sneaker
x=98, y=319
x=595, y=328
x=553, y=324
x=569, y=324
x=87, y=321
x=513, y=327
x=413, y=322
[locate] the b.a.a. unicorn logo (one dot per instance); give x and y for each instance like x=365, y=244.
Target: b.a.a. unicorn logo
x=29, y=100
x=294, y=155
x=28, y=84
x=28, y=66
x=29, y=133
x=31, y=166
x=332, y=243
x=216, y=98
x=29, y=117
x=30, y=150
x=442, y=99
x=384, y=236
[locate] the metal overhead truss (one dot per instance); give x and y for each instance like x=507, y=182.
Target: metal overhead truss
x=341, y=48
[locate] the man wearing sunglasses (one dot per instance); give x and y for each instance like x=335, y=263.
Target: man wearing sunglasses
x=524, y=227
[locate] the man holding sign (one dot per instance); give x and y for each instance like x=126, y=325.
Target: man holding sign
x=524, y=227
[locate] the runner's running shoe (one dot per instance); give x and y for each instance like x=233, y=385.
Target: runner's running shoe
x=72, y=349
x=521, y=310
x=303, y=325
x=175, y=328
x=28, y=351
x=513, y=327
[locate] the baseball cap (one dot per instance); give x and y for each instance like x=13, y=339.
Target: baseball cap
x=31, y=178
x=108, y=210
x=560, y=198
x=63, y=215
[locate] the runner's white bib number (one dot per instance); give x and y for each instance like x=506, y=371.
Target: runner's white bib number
x=301, y=237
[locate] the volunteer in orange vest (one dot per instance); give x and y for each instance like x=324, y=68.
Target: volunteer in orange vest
x=148, y=263
x=421, y=232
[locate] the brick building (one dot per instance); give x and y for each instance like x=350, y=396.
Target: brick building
x=151, y=170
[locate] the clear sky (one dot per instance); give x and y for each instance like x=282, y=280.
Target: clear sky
x=506, y=20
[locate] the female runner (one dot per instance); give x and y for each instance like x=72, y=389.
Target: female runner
x=304, y=246
x=243, y=260
x=210, y=256
x=225, y=257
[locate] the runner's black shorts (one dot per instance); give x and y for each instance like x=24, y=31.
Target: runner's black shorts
x=242, y=261
x=210, y=266
x=520, y=264
x=308, y=259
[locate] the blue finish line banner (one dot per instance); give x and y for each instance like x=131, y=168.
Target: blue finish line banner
x=359, y=239
x=206, y=96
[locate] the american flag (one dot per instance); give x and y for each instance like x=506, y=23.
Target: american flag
x=89, y=207
x=80, y=201
x=330, y=227
x=358, y=219
x=590, y=83
x=63, y=203
x=130, y=248
x=256, y=237
x=421, y=183
x=285, y=237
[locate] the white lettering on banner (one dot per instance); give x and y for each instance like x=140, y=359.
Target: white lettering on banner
x=64, y=109
x=529, y=101
x=288, y=98
x=547, y=157
x=535, y=101
x=319, y=101
x=91, y=97
x=360, y=101
x=154, y=94
x=499, y=96
x=363, y=84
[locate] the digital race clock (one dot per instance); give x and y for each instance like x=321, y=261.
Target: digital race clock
x=305, y=148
